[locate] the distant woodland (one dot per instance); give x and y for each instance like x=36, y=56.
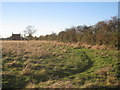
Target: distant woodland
x=102, y=33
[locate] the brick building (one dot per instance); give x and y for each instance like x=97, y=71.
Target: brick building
x=16, y=37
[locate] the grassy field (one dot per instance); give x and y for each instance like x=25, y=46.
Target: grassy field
x=45, y=64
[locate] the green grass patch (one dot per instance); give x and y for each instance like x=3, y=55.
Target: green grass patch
x=56, y=64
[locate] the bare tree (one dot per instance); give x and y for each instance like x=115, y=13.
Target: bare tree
x=30, y=30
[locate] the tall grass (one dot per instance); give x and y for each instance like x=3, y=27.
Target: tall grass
x=47, y=64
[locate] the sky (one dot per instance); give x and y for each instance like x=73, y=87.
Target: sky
x=48, y=17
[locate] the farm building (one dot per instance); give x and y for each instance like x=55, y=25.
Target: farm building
x=16, y=37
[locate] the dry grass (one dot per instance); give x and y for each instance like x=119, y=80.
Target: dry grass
x=61, y=84
x=50, y=64
x=24, y=48
x=103, y=71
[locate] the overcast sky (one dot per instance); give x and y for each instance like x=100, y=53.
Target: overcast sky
x=48, y=17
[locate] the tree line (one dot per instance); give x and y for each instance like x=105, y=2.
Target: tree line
x=102, y=33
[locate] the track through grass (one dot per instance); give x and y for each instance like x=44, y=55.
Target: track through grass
x=36, y=64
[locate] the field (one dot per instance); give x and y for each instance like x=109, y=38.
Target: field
x=46, y=64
